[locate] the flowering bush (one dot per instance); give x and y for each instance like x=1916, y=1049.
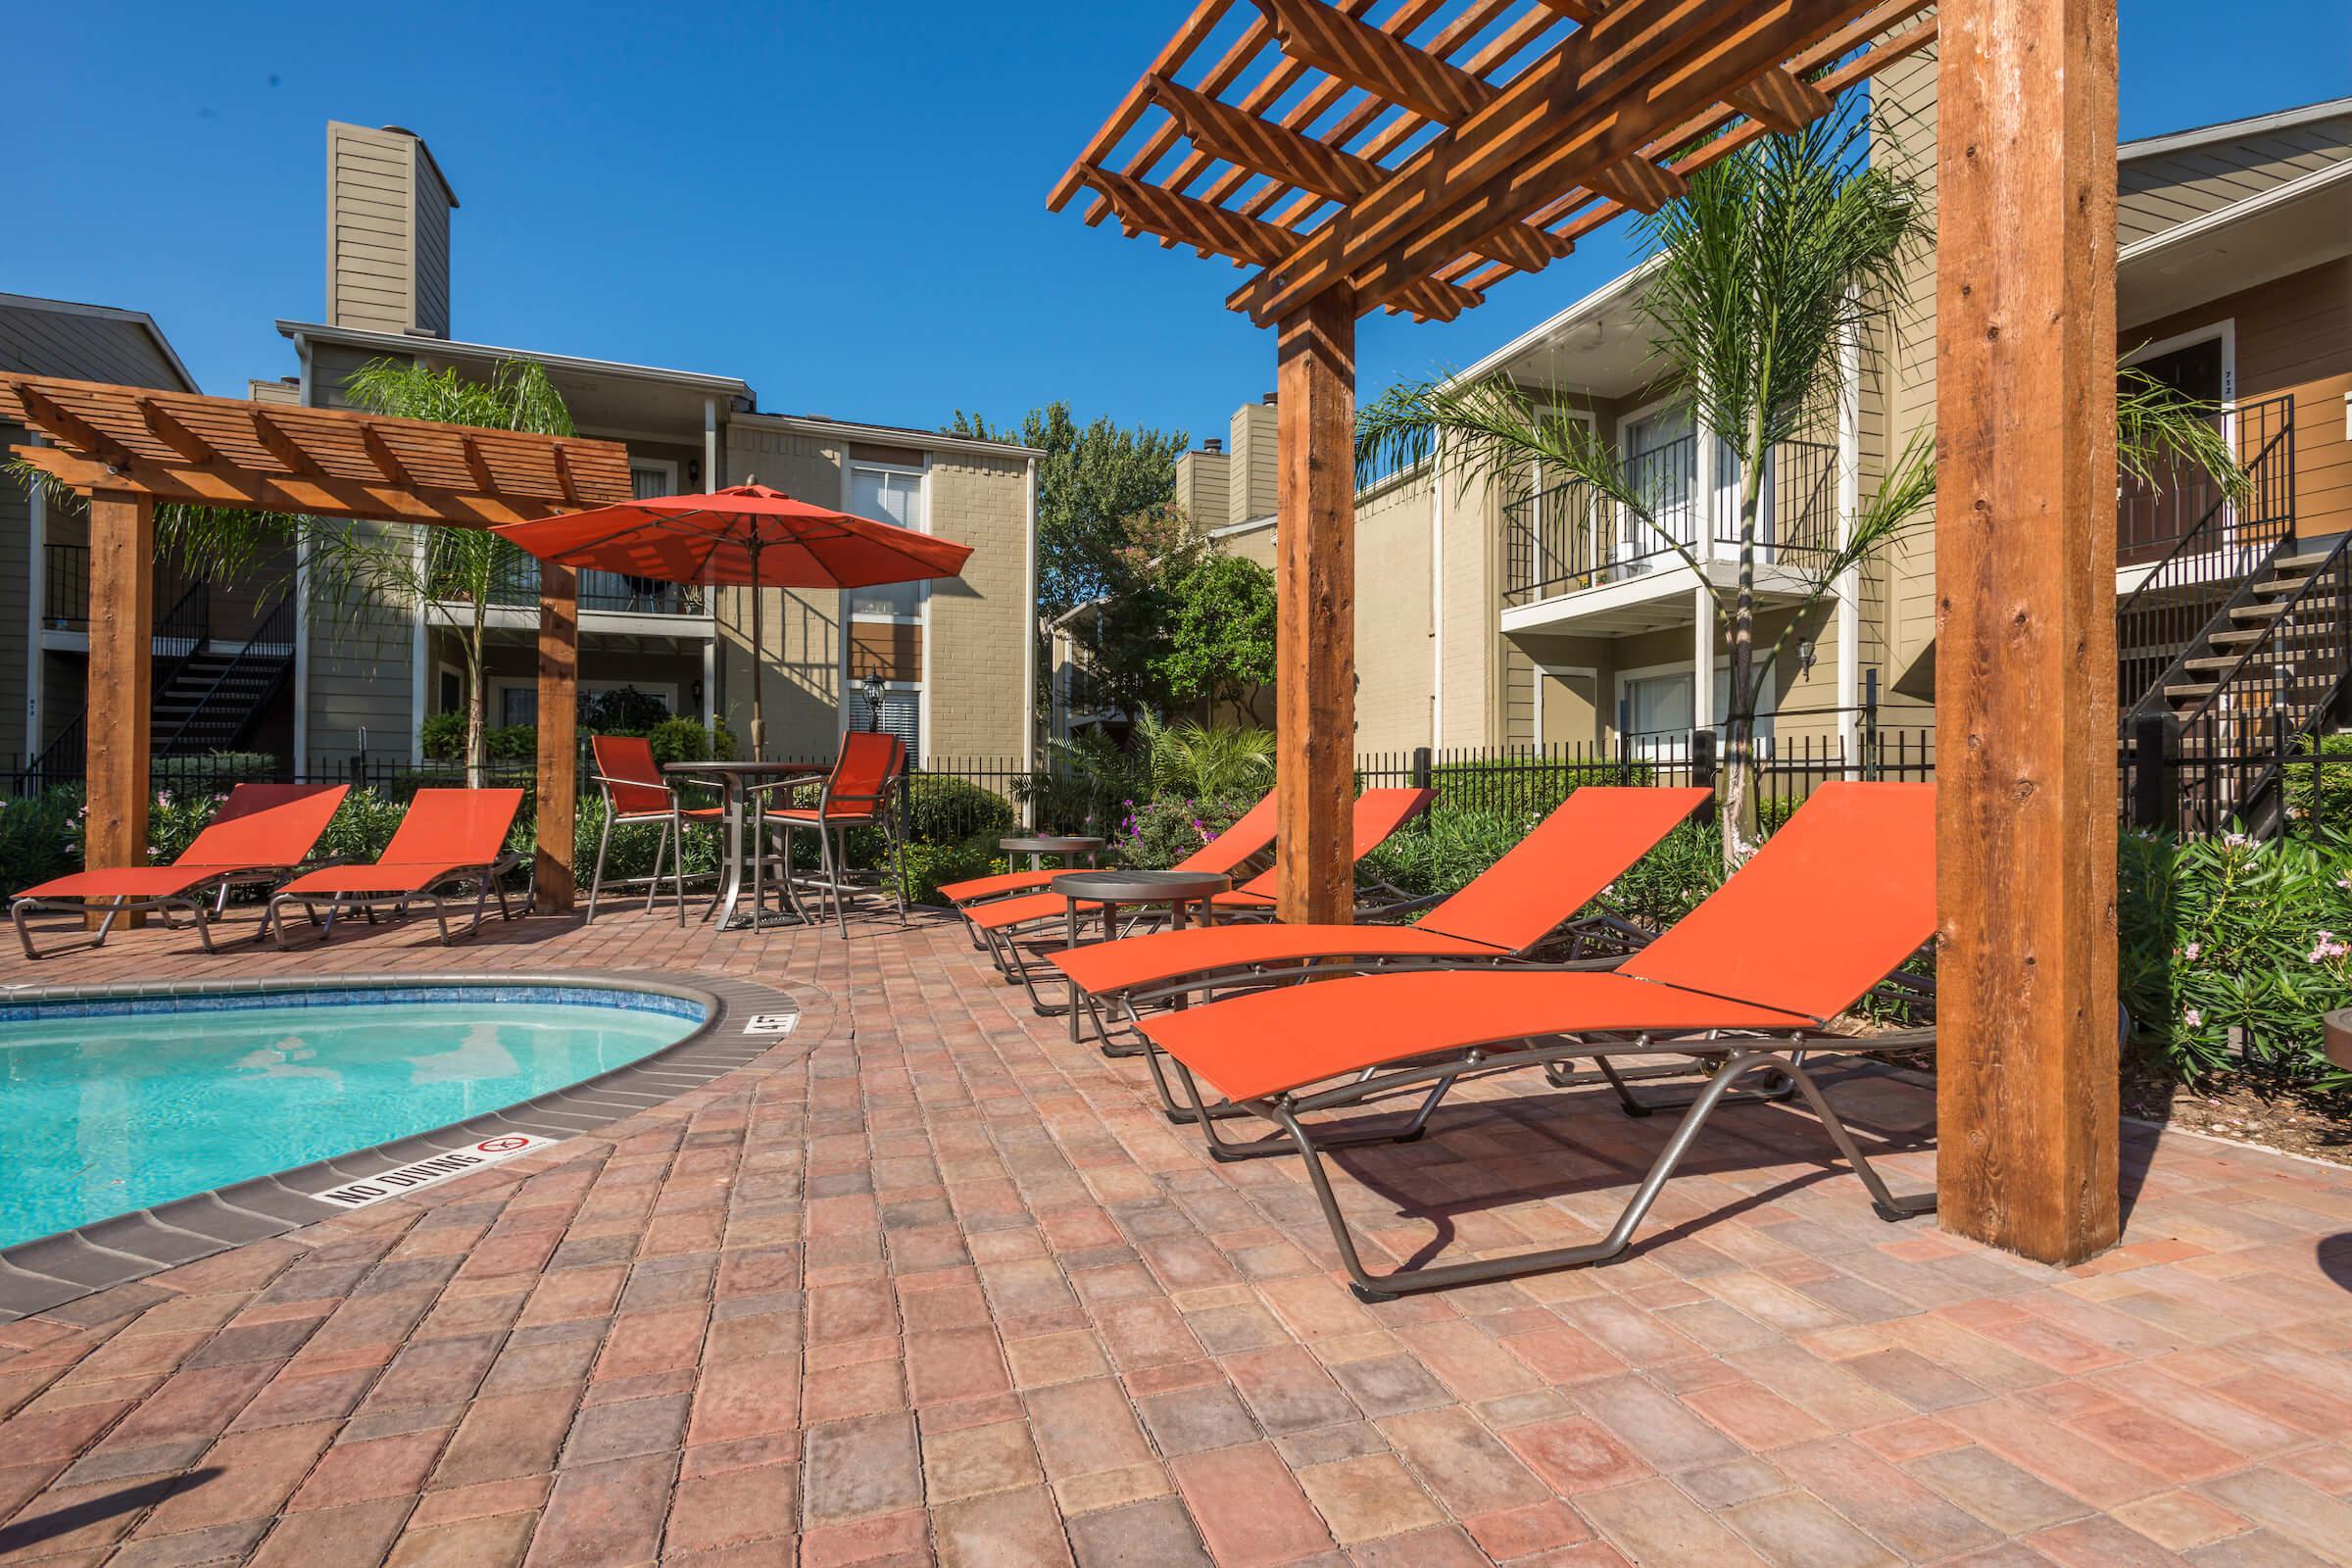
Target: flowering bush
x=2232, y=949
x=1156, y=834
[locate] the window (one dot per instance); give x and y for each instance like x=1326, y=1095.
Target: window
x=902, y=715
x=1659, y=704
x=887, y=494
x=519, y=702
x=649, y=477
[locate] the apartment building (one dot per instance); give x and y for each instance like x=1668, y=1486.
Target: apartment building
x=1528, y=611
x=317, y=684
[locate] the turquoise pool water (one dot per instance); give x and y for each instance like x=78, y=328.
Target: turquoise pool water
x=104, y=1110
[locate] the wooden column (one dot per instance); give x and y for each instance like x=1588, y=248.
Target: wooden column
x=1314, y=693
x=2025, y=582
x=121, y=622
x=559, y=735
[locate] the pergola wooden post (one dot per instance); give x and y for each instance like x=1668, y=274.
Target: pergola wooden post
x=1406, y=166
x=2025, y=573
x=121, y=622
x=127, y=448
x=552, y=883
x=1314, y=636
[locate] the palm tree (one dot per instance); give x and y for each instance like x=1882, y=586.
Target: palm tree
x=1782, y=254
x=451, y=573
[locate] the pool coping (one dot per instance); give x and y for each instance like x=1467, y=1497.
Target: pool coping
x=51, y=1270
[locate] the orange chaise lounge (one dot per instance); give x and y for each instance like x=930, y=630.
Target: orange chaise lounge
x=1568, y=860
x=1005, y=925
x=259, y=836
x=1250, y=835
x=448, y=837
x=1754, y=978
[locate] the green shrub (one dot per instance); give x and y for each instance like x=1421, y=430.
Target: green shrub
x=2226, y=934
x=360, y=827
x=1528, y=786
x=634, y=845
x=41, y=837
x=442, y=738
x=683, y=740
x=942, y=809
x=931, y=866
x=1455, y=846
x=2320, y=795
x=623, y=711
x=215, y=771
x=1668, y=882
x=173, y=819
x=1158, y=834
x=512, y=742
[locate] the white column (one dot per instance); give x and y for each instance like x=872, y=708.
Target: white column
x=421, y=664
x=712, y=478
x=711, y=678
x=1029, y=638
x=1849, y=582
x=1702, y=657
x=301, y=759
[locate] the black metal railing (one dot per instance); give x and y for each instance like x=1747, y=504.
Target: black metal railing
x=2210, y=562
x=2225, y=751
x=1566, y=536
x=514, y=584
x=226, y=712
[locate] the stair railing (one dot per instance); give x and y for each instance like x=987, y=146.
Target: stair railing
x=275, y=633
x=2209, y=568
x=180, y=633
x=2232, y=743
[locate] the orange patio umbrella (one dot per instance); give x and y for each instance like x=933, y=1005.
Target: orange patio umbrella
x=744, y=536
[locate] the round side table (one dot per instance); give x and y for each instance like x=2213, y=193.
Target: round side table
x=1037, y=846
x=1180, y=891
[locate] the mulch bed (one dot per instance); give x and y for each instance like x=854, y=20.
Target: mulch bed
x=2247, y=1110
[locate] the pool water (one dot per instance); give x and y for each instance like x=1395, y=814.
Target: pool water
x=103, y=1114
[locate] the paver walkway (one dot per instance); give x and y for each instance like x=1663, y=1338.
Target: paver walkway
x=927, y=1283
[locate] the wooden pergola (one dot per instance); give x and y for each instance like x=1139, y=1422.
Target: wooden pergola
x=1409, y=163
x=125, y=447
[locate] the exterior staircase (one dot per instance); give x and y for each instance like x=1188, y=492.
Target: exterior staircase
x=2235, y=648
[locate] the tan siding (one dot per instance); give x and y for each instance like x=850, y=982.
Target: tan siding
x=1253, y=475
x=1202, y=492
x=1395, y=674
x=1906, y=95
x=360, y=665
x=387, y=232
x=2159, y=191
x=2294, y=335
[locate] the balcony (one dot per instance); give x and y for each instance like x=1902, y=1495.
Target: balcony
x=1576, y=560
x=602, y=593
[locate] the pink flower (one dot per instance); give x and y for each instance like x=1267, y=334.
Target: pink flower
x=2326, y=948
x=2192, y=951
x=2193, y=1018
x=2234, y=840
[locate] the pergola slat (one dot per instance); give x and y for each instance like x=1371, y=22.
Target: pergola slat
x=1781, y=100
x=1313, y=34
x=1636, y=185
x=176, y=435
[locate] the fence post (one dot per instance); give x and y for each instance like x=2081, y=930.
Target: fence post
x=2155, y=786
x=1625, y=758
x=1703, y=771
x=1870, y=723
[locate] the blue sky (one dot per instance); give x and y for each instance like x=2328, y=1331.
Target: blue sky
x=843, y=204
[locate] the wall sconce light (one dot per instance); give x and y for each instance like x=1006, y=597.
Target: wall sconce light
x=1806, y=652
x=694, y=472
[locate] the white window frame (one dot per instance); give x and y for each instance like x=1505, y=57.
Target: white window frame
x=1767, y=690
x=921, y=619
x=1701, y=497
x=668, y=468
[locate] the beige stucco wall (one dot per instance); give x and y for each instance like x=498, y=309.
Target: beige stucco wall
x=1393, y=669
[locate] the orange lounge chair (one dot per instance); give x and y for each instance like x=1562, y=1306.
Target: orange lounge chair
x=1252, y=835
x=1833, y=903
x=260, y=835
x=1566, y=862
x=1006, y=923
x=446, y=838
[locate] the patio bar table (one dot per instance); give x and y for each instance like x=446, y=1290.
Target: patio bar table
x=736, y=781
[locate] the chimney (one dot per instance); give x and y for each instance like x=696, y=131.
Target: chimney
x=1201, y=483
x=1252, y=491
x=387, y=232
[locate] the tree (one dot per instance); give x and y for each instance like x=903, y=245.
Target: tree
x=1780, y=255
x=1218, y=639
x=1090, y=482
x=451, y=574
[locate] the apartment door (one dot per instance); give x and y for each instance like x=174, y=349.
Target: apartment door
x=1657, y=447
x=2151, y=518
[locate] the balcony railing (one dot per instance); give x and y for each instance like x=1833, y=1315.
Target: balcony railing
x=516, y=585
x=1568, y=536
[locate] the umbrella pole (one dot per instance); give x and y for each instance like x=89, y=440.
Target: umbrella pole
x=759, y=718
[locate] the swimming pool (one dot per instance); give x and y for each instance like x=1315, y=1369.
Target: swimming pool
x=112, y=1106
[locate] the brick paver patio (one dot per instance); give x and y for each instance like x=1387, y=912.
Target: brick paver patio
x=928, y=1283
